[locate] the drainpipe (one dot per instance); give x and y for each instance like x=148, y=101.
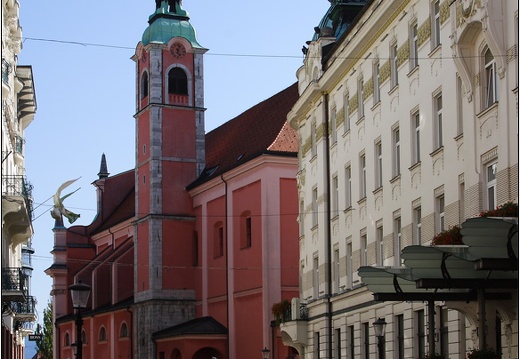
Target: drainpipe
x=227, y=258
x=328, y=234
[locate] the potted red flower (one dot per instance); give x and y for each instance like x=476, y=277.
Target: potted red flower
x=450, y=236
x=508, y=209
x=282, y=311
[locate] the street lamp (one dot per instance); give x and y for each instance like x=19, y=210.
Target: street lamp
x=265, y=353
x=379, y=328
x=79, y=293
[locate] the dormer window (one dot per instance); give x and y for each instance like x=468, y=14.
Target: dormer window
x=177, y=82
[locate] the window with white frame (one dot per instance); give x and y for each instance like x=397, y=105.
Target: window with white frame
x=350, y=265
x=364, y=249
x=333, y=126
x=363, y=176
x=377, y=85
x=414, y=47
x=394, y=80
x=437, y=121
x=314, y=207
x=435, y=24
x=302, y=218
x=348, y=187
x=346, y=109
x=313, y=139
x=460, y=119
x=440, y=213
x=336, y=270
x=316, y=276
x=417, y=226
x=361, y=98
x=379, y=164
x=416, y=137
x=335, y=196
x=396, y=152
x=462, y=200
x=397, y=240
x=379, y=244
x=491, y=185
x=490, y=79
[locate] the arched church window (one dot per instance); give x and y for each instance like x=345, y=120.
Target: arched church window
x=102, y=334
x=177, y=82
x=144, y=85
x=123, y=331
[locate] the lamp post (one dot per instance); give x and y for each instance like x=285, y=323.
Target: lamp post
x=379, y=328
x=79, y=293
x=266, y=353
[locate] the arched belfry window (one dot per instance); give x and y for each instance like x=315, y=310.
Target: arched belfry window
x=177, y=81
x=144, y=85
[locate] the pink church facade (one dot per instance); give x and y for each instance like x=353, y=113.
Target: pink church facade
x=189, y=250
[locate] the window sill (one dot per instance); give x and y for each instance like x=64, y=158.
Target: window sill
x=413, y=71
x=414, y=166
x=395, y=179
x=437, y=151
x=488, y=109
x=376, y=105
x=393, y=89
x=361, y=119
x=377, y=190
x=459, y=137
x=435, y=50
x=348, y=209
x=362, y=200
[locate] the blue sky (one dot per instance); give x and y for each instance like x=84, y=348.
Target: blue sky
x=86, y=93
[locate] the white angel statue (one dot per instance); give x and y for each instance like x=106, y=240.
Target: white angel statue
x=59, y=209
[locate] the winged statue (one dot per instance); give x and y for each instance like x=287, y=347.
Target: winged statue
x=59, y=210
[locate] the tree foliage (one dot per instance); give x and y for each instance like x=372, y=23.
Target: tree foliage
x=44, y=346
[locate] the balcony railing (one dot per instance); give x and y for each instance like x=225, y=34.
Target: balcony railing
x=13, y=285
x=18, y=186
x=26, y=309
x=13, y=280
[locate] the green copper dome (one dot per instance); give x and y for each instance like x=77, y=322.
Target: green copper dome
x=165, y=25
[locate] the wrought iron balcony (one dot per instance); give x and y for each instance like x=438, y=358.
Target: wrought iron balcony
x=294, y=331
x=13, y=285
x=18, y=186
x=25, y=311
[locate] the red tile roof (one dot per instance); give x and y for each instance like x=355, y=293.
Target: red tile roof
x=259, y=130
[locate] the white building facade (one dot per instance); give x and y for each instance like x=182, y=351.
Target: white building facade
x=408, y=126
x=18, y=109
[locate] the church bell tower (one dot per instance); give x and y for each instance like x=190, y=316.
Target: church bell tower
x=169, y=155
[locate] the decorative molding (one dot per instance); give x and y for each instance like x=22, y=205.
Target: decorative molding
x=439, y=191
x=489, y=155
x=424, y=32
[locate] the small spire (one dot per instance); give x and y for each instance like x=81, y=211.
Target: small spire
x=103, y=169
